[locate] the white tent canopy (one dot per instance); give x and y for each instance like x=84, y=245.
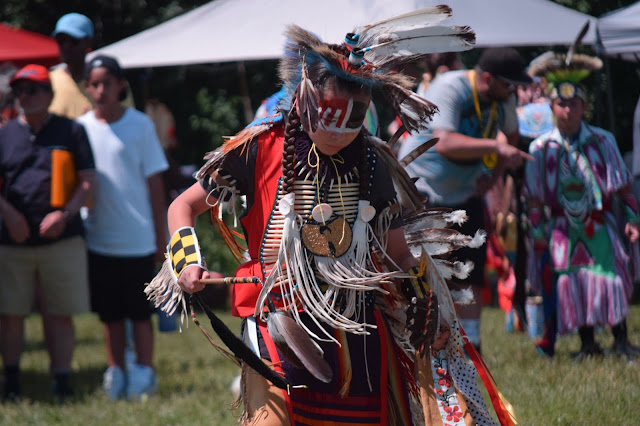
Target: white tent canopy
x=237, y=30
x=620, y=32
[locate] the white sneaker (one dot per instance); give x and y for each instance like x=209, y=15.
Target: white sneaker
x=114, y=382
x=141, y=380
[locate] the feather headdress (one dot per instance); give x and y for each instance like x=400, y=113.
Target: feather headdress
x=564, y=72
x=370, y=56
x=554, y=68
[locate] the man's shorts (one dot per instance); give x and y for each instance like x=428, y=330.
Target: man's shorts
x=475, y=208
x=61, y=269
x=117, y=286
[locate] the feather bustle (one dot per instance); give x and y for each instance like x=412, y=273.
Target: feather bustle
x=296, y=345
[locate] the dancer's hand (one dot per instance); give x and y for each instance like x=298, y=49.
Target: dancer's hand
x=443, y=337
x=189, y=280
x=632, y=231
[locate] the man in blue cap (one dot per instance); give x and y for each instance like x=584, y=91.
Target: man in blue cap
x=74, y=33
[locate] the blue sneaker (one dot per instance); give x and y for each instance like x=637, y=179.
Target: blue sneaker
x=141, y=381
x=114, y=382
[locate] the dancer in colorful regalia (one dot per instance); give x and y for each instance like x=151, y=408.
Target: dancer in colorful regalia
x=573, y=189
x=351, y=327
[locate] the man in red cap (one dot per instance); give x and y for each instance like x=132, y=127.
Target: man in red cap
x=47, y=174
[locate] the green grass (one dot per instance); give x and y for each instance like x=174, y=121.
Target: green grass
x=194, y=381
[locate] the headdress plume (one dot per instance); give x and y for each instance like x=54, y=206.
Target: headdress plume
x=370, y=56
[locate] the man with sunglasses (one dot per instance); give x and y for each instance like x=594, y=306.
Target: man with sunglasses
x=47, y=174
x=477, y=127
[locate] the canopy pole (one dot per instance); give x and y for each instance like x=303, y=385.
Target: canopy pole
x=600, y=51
x=244, y=90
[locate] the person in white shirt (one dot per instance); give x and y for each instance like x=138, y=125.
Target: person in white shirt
x=126, y=226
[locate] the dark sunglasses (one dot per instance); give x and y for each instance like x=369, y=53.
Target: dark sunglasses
x=29, y=90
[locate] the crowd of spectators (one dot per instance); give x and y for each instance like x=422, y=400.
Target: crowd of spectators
x=83, y=210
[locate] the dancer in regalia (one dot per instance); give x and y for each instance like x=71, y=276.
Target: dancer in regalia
x=354, y=328
x=573, y=190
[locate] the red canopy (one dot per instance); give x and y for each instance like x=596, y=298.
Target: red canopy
x=23, y=47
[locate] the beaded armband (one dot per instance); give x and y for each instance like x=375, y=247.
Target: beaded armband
x=184, y=250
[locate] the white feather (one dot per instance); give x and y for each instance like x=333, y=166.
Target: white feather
x=421, y=17
x=462, y=269
x=448, y=269
x=457, y=216
x=439, y=241
x=434, y=218
x=478, y=239
x=462, y=297
x=418, y=41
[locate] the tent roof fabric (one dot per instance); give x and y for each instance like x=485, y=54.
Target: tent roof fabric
x=620, y=31
x=23, y=47
x=234, y=30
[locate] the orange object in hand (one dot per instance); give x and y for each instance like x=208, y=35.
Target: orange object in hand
x=63, y=177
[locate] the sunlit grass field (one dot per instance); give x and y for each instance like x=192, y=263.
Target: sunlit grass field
x=194, y=380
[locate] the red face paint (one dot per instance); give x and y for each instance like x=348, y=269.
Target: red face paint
x=341, y=115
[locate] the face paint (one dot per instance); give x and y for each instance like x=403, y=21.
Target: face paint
x=341, y=115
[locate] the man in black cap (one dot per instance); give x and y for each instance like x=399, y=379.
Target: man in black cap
x=478, y=129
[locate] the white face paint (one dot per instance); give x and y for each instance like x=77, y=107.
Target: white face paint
x=341, y=115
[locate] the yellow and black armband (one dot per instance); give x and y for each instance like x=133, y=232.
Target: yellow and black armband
x=184, y=250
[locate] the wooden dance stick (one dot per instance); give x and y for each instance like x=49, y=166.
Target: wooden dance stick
x=231, y=280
